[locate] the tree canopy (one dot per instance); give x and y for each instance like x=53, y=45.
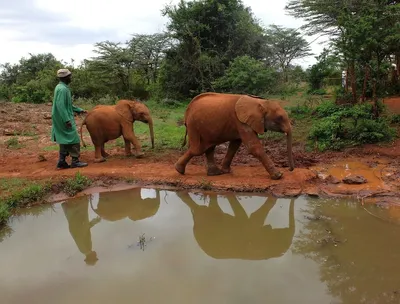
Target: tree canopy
x=220, y=45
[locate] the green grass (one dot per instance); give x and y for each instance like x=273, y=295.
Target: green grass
x=13, y=143
x=76, y=184
x=168, y=128
x=19, y=193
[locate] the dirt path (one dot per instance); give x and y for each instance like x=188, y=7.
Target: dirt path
x=315, y=174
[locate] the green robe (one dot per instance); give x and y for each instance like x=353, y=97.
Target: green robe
x=61, y=113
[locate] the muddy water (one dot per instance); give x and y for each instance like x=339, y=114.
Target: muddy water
x=153, y=246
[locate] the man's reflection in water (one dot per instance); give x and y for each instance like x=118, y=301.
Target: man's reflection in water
x=223, y=236
x=77, y=214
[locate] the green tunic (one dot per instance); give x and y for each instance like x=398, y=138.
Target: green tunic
x=61, y=113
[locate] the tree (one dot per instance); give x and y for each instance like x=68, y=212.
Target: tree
x=31, y=80
x=286, y=45
x=328, y=64
x=247, y=75
x=366, y=32
x=209, y=35
x=148, y=52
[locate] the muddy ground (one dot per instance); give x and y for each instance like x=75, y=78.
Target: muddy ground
x=317, y=174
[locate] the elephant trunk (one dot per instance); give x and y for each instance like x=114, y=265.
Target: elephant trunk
x=151, y=133
x=289, y=151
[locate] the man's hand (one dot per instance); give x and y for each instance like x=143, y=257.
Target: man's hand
x=68, y=124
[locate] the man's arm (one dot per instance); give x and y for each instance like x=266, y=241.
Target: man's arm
x=77, y=109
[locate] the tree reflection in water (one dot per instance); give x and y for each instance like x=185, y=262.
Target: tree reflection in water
x=358, y=255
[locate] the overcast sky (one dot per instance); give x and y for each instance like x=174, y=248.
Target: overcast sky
x=69, y=29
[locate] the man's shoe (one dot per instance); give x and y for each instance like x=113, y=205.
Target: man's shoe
x=63, y=165
x=78, y=164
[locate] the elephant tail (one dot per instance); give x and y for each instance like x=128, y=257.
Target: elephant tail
x=80, y=130
x=184, y=139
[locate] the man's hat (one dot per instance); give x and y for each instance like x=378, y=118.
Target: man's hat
x=61, y=73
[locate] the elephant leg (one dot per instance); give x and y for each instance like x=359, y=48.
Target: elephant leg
x=255, y=147
x=98, y=157
x=212, y=168
x=180, y=165
x=194, y=150
x=127, y=147
x=129, y=135
x=103, y=152
x=259, y=216
x=232, y=149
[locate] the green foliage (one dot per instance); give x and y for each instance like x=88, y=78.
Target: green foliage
x=204, y=40
x=168, y=126
x=210, y=34
x=328, y=65
x=77, y=184
x=366, y=33
x=19, y=193
x=286, y=45
x=373, y=131
x=31, y=192
x=246, y=75
x=299, y=111
x=13, y=143
x=338, y=126
x=31, y=80
x=395, y=119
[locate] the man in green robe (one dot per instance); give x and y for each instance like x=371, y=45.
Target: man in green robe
x=64, y=131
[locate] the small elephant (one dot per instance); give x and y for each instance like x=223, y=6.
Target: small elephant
x=106, y=123
x=215, y=118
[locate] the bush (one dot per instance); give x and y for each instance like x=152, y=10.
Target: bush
x=341, y=96
x=340, y=126
x=395, y=119
x=318, y=92
x=299, y=111
x=373, y=131
x=247, y=75
x=327, y=108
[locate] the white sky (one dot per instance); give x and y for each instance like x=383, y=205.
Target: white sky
x=69, y=29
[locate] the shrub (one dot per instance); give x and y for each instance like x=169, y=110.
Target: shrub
x=246, y=75
x=340, y=126
x=373, y=131
x=299, y=111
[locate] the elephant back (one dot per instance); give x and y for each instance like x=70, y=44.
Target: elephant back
x=114, y=206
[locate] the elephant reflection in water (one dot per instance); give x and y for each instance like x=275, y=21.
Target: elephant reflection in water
x=115, y=206
x=77, y=214
x=111, y=207
x=223, y=236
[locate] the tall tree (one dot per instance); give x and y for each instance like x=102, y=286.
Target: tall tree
x=366, y=32
x=148, y=52
x=286, y=45
x=209, y=35
x=114, y=66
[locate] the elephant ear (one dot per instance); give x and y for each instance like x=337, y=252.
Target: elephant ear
x=123, y=108
x=251, y=112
